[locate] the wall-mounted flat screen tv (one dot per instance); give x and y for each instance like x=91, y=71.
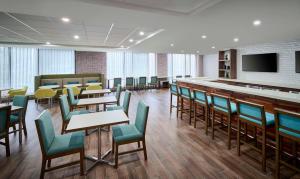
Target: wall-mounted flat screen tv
x=260, y=62
x=297, y=57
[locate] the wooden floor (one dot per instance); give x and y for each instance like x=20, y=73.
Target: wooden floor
x=175, y=150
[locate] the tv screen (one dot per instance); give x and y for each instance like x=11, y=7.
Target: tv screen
x=297, y=57
x=260, y=62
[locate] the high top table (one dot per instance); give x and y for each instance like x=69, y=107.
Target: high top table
x=97, y=121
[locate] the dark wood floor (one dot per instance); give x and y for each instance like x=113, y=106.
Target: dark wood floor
x=175, y=150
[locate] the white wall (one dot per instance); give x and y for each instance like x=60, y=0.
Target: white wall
x=286, y=62
x=210, y=65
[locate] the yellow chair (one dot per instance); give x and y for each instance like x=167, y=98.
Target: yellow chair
x=94, y=87
x=44, y=94
x=75, y=89
x=14, y=92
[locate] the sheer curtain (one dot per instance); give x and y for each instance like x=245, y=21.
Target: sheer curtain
x=187, y=64
x=178, y=64
x=140, y=64
x=4, y=68
x=152, y=65
x=128, y=65
x=182, y=64
x=24, y=66
x=194, y=66
x=56, y=61
x=115, y=65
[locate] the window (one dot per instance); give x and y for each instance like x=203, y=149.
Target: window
x=115, y=68
x=56, y=61
x=181, y=65
x=24, y=67
x=152, y=64
x=4, y=68
x=140, y=64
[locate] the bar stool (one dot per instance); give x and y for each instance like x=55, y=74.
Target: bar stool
x=254, y=115
x=185, y=94
x=288, y=126
x=204, y=102
x=174, y=92
x=221, y=105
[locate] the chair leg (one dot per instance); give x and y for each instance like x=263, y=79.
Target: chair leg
x=206, y=114
x=181, y=108
x=212, y=125
x=112, y=146
x=264, y=150
x=82, y=166
x=145, y=150
x=171, y=103
x=195, y=118
x=14, y=128
x=238, y=137
x=7, y=146
x=62, y=128
x=49, y=163
x=116, y=156
x=24, y=126
x=190, y=111
x=138, y=144
x=229, y=131
x=277, y=162
x=177, y=107
x=43, y=168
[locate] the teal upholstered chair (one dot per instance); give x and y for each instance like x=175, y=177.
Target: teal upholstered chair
x=73, y=102
x=222, y=106
x=118, y=94
x=125, y=106
x=21, y=101
x=186, y=95
x=142, y=82
x=54, y=146
x=129, y=83
x=174, y=91
x=66, y=112
x=187, y=76
x=254, y=115
x=153, y=82
x=203, y=101
x=125, y=134
x=117, y=82
x=287, y=126
x=4, y=127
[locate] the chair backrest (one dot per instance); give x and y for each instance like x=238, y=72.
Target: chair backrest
x=118, y=94
x=129, y=81
x=173, y=88
x=287, y=122
x=45, y=130
x=4, y=118
x=185, y=92
x=201, y=97
x=117, y=81
x=142, y=80
x=64, y=106
x=221, y=103
x=126, y=101
x=178, y=76
x=44, y=93
x=251, y=111
x=141, y=117
x=94, y=87
x=21, y=101
x=71, y=96
x=187, y=76
x=153, y=79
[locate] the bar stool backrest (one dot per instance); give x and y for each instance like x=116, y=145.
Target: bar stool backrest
x=288, y=122
x=201, y=97
x=117, y=81
x=174, y=89
x=251, y=112
x=185, y=92
x=221, y=103
x=129, y=81
x=142, y=80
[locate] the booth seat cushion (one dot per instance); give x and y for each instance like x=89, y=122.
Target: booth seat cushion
x=45, y=82
x=112, y=108
x=125, y=133
x=90, y=80
x=270, y=119
x=67, y=81
x=232, y=105
x=66, y=142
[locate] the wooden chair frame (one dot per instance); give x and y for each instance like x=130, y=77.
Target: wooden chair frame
x=262, y=127
x=6, y=137
x=222, y=113
x=205, y=110
x=47, y=158
x=177, y=101
x=279, y=136
x=191, y=104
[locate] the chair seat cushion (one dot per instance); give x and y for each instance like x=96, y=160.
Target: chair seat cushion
x=289, y=133
x=270, y=119
x=113, y=108
x=66, y=143
x=14, y=118
x=77, y=113
x=125, y=133
x=232, y=106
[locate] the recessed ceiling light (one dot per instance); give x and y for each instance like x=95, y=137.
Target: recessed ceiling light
x=172, y=45
x=142, y=33
x=203, y=36
x=198, y=51
x=130, y=40
x=76, y=37
x=65, y=19
x=235, y=39
x=48, y=43
x=122, y=46
x=213, y=47
x=182, y=51
x=256, y=22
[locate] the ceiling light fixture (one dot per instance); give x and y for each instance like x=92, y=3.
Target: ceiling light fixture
x=182, y=51
x=256, y=22
x=235, y=39
x=130, y=40
x=48, y=43
x=172, y=45
x=65, y=19
x=122, y=46
x=141, y=33
x=198, y=51
x=76, y=37
x=213, y=47
x=203, y=36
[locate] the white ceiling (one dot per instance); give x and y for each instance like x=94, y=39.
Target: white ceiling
x=111, y=23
